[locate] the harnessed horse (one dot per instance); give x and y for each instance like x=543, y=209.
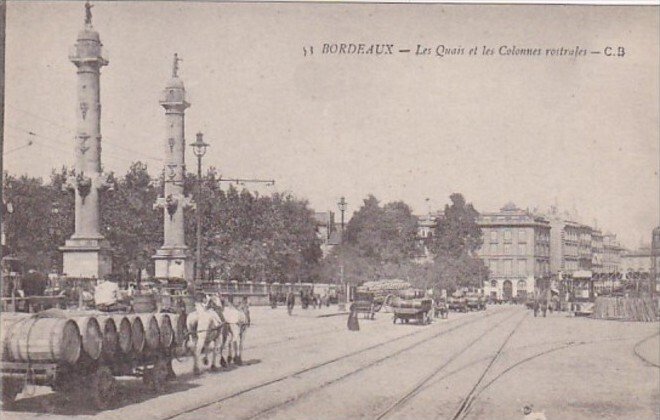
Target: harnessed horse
x=205, y=328
x=216, y=321
x=236, y=320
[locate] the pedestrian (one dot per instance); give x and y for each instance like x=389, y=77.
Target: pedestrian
x=353, y=323
x=290, y=301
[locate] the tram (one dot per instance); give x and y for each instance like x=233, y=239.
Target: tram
x=582, y=296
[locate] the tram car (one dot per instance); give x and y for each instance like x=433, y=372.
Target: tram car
x=582, y=295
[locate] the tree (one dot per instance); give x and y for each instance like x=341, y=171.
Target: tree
x=385, y=234
x=455, y=241
x=457, y=232
x=129, y=222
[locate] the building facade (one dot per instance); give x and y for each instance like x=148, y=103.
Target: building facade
x=425, y=227
x=611, y=254
x=516, y=250
x=564, y=243
x=597, y=251
x=327, y=231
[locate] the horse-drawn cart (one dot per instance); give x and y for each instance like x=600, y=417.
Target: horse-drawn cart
x=81, y=353
x=364, y=303
x=412, y=307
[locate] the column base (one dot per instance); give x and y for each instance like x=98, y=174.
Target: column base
x=173, y=263
x=87, y=257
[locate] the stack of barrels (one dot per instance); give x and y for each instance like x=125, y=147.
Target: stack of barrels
x=67, y=337
x=625, y=309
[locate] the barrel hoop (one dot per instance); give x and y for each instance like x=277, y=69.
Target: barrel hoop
x=27, y=340
x=50, y=342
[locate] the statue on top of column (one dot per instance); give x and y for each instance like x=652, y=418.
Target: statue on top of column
x=175, y=65
x=88, y=13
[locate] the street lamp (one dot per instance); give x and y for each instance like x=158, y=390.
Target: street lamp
x=342, y=208
x=199, y=149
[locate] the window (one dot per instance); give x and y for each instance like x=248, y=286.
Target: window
x=522, y=235
x=493, y=235
x=493, y=267
x=521, y=249
x=493, y=283
x=507, y=267
x=522, y=267
x=493, y=249
x=507, y=249
x=507, y=235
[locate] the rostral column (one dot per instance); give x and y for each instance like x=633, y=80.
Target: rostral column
x=87, y=253
x=173, y=260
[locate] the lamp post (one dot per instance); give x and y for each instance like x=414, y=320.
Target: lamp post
x=199, y=149
x=342, y=303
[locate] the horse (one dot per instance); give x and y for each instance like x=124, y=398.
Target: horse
x=205, y=327
x=235, y=323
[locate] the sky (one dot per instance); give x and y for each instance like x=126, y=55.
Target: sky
x=579, y=132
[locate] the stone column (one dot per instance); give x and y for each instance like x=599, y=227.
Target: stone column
x=172, y=260
x=87, y=253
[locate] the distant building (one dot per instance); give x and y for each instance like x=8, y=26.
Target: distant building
x=637, y=261
x=585, y=256
x=425, y=227
x=564, y=243
x=612, y=251
x=655, y=262
x=597, y=251
x=327, y=230
x=516, y=250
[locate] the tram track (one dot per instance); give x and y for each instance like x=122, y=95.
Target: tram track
x=465, y=406
x=298, y=397
x=476, y=391
x=420, y=385
x=325, y=363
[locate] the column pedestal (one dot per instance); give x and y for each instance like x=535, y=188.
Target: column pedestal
x=173, y=263
x=87, y=257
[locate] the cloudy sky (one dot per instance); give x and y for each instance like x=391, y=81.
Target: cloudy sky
x=581, y=132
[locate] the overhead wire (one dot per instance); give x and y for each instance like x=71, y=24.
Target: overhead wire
x=107, y=140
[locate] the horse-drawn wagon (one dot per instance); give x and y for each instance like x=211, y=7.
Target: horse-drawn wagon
x=412, y=305
x=384, y=291
x=364, y=303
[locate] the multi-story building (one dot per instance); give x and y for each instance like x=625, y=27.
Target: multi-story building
x=564, y=242
x=516, y=249
x=597, y=251
x=585, y=255
x=611, y=254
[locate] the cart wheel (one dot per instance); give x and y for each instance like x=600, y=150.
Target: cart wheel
x=10, y=389
x=103, y=388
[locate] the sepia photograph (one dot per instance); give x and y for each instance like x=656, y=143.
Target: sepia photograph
x=329, y=210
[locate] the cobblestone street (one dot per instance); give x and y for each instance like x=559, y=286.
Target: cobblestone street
x=491, y=363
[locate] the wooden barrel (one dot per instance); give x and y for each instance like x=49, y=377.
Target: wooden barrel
x=92, y=337
x=137, y=333
x=180, y=330
x=47, y=340
x=166, y=330
x=124, y=333
x=151, y=331
x=110, y=341
x=143, y=303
